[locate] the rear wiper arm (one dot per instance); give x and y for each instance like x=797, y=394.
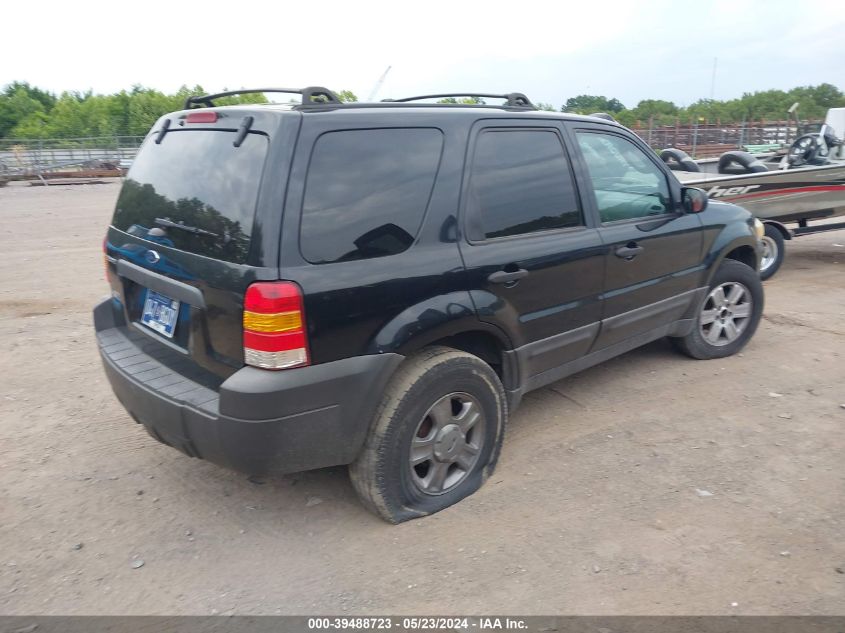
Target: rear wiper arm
x=184, y=227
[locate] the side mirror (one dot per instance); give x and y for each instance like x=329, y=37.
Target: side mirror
x=694, y=200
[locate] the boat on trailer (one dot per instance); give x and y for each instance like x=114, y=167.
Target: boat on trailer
x=802, y=185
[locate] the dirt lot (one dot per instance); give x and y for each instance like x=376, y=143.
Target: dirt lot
x=652, y=484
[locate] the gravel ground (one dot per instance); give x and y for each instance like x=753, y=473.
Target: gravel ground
x=651, y=484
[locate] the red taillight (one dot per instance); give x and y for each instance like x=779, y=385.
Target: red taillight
x=274, y=326
x=201, y=117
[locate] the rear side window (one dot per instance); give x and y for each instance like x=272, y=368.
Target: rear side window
x=194, y=191
x=521, y=183
x=366, y=192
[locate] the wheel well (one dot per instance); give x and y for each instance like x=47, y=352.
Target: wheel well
x=744, y=254
x=482, y=344
x=780, y=227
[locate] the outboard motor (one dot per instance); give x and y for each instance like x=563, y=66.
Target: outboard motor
x=835, y=120
x=740, y=163
x=678, y=160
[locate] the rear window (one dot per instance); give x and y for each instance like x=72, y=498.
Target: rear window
x=367, y=191
x=194, y=191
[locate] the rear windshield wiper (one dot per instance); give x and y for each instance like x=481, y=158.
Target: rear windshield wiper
x=183, y=227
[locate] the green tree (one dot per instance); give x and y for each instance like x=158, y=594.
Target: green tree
x=761, y=105
x=33, y=125
x=15, y=106
x=147, y=105
x=240, y=99
x=708, y=110
x=46, y=99
x=30, y=112
x=66, y=117
x=462, y=100
x=655, y=107
x=587, y=104
x=827, y=96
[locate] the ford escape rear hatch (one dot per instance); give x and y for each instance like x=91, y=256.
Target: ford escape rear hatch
x=181, y=237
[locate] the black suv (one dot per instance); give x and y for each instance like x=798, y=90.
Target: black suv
x=378, y=284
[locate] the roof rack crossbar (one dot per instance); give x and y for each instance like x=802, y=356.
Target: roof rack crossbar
x=512, y=99
x=310, y=95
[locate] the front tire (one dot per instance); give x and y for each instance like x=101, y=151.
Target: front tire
x=435, y=438
x=774, y=250
x=729, y=314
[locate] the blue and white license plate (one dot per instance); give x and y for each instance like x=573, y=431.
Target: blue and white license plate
x=160, y=313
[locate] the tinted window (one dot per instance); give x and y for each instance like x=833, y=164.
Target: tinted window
x=626, y=183
x=366, y=193
x=199, y=179
x=521, y=183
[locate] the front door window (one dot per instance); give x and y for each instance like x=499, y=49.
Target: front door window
x=626, y=183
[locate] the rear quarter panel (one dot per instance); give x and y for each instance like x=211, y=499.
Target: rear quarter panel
x=390, y=303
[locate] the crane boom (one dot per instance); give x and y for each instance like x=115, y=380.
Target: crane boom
x=378, y=84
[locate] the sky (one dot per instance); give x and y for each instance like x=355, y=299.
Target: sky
x=632, y=50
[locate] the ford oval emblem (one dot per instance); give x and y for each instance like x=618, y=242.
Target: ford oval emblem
x=152, y=257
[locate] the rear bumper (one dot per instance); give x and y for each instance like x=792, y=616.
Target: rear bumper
x=255, y=421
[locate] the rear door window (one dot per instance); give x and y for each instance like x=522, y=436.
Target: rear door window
x=194, y=191
x=367, y=191
x=521, y=183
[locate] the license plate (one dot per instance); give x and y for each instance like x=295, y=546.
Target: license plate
x=160, y=313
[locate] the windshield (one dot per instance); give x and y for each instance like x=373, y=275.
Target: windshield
x=194, y=191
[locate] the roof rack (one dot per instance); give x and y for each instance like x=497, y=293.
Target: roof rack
x=512, y=99
x=310, y=95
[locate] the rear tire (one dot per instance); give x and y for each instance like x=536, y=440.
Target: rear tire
x=774, y=250
x=728, y=316
x=435, y=437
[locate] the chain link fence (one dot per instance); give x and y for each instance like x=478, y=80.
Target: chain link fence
x=36, y=156
x=712, y=139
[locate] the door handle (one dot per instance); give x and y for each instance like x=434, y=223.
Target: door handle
x=629, y=251
x=505, y=277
